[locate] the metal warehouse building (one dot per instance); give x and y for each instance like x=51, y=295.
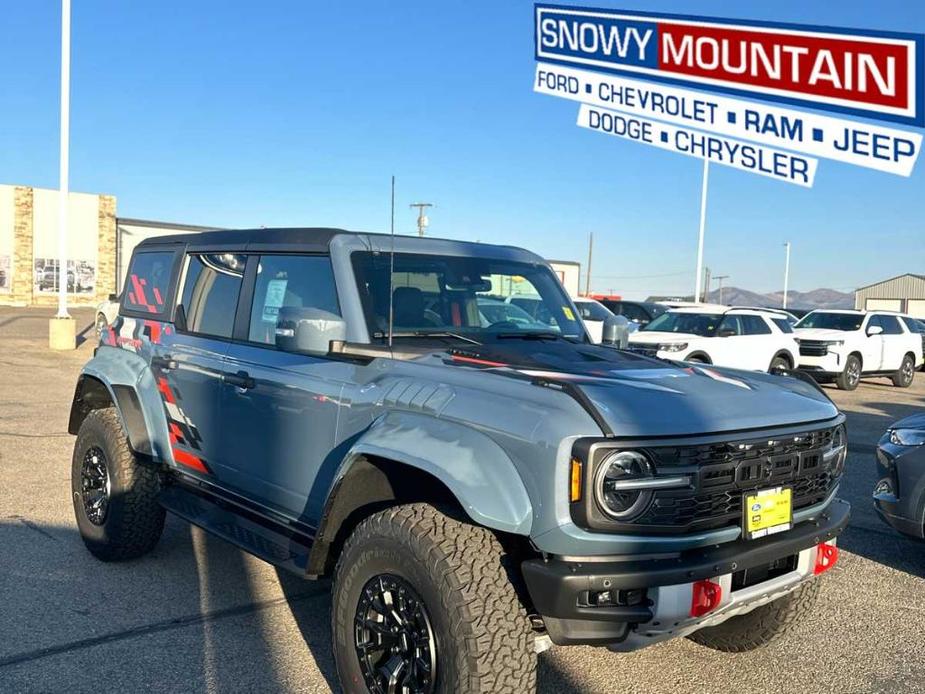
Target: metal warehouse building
x=905, y=293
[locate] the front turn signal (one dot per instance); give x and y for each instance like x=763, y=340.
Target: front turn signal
x=575, y=481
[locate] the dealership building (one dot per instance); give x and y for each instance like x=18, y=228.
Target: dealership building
x=99, y=246
x=905, y=293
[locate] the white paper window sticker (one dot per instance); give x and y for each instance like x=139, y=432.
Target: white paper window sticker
x=276, y=294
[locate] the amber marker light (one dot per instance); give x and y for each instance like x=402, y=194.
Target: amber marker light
x=575, y=481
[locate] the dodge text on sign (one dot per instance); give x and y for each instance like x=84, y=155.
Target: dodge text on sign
x=872, y=74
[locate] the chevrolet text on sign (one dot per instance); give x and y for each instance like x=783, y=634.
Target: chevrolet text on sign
x=873, y=74
x=861, y=144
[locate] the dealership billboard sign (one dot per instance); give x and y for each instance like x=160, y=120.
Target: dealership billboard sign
x=673, y=82
x=872, y=74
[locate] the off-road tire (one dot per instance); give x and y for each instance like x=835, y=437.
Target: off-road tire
x=134, y=520
x=762, y=625
x=844, y=380
x=905, y=374
x=484, y=641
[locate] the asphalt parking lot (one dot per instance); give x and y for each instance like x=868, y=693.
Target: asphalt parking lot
x=199, y=615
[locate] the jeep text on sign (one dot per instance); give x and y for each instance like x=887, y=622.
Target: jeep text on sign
x=871, y=74
x=852, y=142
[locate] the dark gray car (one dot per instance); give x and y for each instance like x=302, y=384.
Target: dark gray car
x=900, y=492
x=337, y=404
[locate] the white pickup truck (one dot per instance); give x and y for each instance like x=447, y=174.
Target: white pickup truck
x=845, y=345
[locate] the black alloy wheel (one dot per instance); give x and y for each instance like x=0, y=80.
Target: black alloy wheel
x=394, y=639
x=95, y=486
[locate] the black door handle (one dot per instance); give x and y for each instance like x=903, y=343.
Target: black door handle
x=241, y=380
x=165, y=363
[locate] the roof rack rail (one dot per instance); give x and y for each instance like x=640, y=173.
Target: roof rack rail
x=779, y=311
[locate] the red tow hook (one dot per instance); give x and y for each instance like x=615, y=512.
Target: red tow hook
x=826, y=557
x=706, y=597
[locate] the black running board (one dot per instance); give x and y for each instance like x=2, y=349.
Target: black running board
x=252, y=534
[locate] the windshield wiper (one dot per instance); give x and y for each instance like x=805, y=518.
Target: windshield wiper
x=436, y=333
x=534, y=335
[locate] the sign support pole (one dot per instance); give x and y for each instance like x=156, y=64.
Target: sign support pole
x=703, y=220
x=786, y=273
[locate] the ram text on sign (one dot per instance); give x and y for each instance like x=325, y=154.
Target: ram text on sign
x=865, y=73
x=872, y=146
x=766, y=161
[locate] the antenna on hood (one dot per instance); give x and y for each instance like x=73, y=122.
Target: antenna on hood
x=392, y=269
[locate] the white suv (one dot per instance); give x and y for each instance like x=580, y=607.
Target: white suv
x=743, y=338
x=845, y=345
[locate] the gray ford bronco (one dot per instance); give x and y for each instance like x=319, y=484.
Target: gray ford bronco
x=478, y=481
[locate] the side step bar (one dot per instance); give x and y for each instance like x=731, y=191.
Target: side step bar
x=256, y=536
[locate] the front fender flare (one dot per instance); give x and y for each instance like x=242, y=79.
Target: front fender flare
x=474, y=468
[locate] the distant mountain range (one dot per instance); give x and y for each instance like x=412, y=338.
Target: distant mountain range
x=817, y=298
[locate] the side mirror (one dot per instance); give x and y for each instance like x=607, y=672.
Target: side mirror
x=874, y=330
x=726, y=333
x=114, y=297
x=615, y=332
x=308, y=330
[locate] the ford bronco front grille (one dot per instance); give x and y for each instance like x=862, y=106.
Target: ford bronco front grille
x=722, y=473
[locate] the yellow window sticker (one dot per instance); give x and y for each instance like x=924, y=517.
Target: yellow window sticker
x=568, y=313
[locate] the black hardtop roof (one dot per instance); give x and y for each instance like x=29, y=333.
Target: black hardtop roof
x=311, y=239
x=314, y=237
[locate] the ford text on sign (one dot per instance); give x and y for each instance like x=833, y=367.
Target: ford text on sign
x=872, y=74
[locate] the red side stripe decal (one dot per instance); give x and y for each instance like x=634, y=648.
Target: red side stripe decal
x=473, y=360
x=164, y=388
x=190, y=460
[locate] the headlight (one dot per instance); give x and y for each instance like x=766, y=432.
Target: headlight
x=672, y=347
x=838, y=450
x=834, y=343
x=907, y=437
x=618, y=483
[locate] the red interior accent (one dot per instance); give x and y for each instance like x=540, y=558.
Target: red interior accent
x=826, y=557
x=706, y=597
x=454, y=311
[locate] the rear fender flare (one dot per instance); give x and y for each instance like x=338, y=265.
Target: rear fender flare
x=473, y=467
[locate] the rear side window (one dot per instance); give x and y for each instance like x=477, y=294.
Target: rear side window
x=754, y=325
x=210, y=293
x=289, y=281
x=783, y=324
x=914, y=326
x=148, y=282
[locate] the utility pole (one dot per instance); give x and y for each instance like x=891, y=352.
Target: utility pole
x=423, y=221
x=703, y=223
x=706, y=286
x=786, y=273
x=720, y=278
x=588, y=274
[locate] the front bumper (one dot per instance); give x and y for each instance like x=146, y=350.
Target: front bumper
x=899, y=495
x=831, y=364
x=654, y=593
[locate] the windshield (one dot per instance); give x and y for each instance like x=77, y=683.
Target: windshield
x=469, y=296
x=831, y=321
x=703, y=324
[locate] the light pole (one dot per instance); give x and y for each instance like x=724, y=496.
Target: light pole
x=423, y=221
x=786, y=273
x=703, y=222
x=61, y=333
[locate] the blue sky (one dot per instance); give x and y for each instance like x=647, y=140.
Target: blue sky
x=272, y=113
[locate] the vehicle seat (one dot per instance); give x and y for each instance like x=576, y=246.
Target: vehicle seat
x=408, y=307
